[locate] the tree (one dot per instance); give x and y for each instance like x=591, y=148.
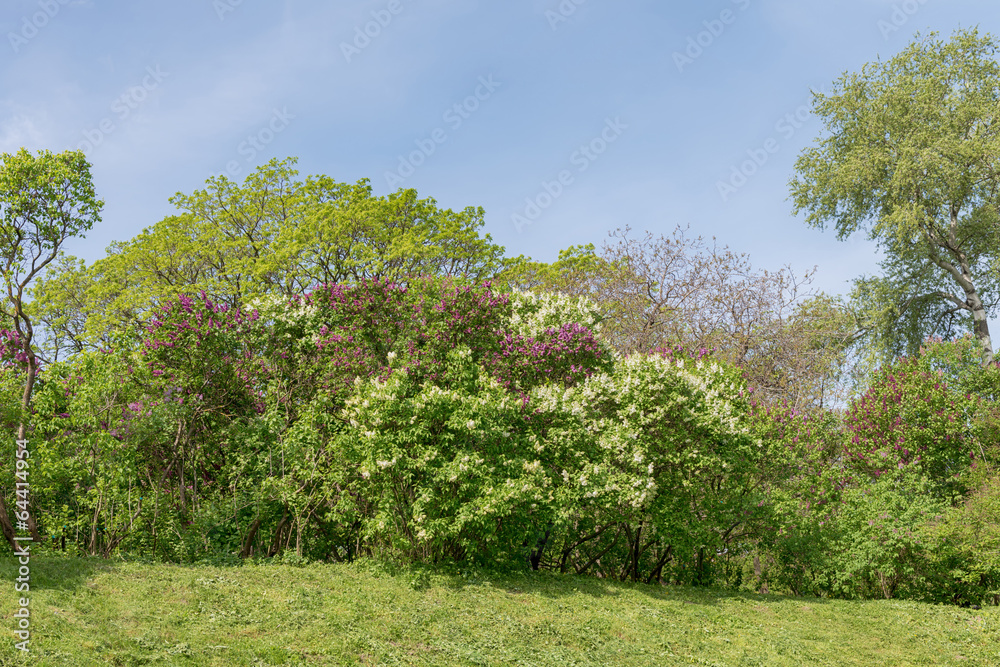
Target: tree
x=910, y=157
x=579, y=271
x=235, y=227
x=663, y=291
x=347, y=234
x=44, y=200
x=272, y=235
x=82, y=307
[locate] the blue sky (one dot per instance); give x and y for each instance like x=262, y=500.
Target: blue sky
x=641, y=108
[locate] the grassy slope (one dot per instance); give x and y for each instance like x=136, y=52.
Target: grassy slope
x=88, y=612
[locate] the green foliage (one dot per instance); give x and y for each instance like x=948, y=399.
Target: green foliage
x=804, y=479
x=44, y=200
x=436, y=422
x=346, y=234
x=871, y=508
x=299, y=371
x=446, y=473
x=907, y=159
x=910, y=419
x=666, y=474
x=968, y=542
x=272, y=235
x=405, y=394
x=879, y=550
x=675, y=450
x=86, y=475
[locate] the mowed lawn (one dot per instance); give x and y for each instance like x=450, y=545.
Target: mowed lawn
x=93, y=612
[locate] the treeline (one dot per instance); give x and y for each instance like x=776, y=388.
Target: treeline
x=303, y=370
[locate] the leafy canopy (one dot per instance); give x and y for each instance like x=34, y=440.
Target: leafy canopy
x=910, y=158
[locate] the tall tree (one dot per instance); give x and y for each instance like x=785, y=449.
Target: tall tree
x=272, y=235
x=234, y=228
x=44, y=200
x=911, y=156
x=348, y=234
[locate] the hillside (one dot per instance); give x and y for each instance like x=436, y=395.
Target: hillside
x=93, y=612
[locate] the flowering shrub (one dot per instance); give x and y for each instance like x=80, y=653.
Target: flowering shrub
x=11, y=349
x=335, y=351
x=439, y=472
x=566, y=355
x=803, y=479
x=533, y=314
x=672, y=464
x=87, y=471
x=439, y=421
x=354, y=331
x=855, y=510
x=207, y=352
x=207, y=371
x=655, y=449
x=911, y=418
x=376, y=328
x=917, y=439
x=12, y=365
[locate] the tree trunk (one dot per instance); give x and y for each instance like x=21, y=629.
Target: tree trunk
x=636, y=553
x=981, y=327
x=248, y=540
x=595, y=559
x=962, y=274
x=7, y=526
x=22, y=438
x=29, y=384
x=536, y=555
x=33, y=529
x=93, y=525
x=180, y=485
x=569, y=550
x=276, y=540
x=657, y=572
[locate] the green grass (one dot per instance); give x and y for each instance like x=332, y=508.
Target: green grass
x=92, y=612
